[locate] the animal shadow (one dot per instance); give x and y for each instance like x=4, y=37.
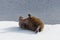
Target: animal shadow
x=18, y=30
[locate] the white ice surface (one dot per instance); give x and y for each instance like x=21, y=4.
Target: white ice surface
x=9, y=30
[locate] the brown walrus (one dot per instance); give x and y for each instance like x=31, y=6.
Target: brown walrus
x=32, y=23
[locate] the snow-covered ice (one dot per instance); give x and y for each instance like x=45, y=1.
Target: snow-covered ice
x=9, y=30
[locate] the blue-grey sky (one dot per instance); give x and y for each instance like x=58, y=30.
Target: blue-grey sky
x=48, y=10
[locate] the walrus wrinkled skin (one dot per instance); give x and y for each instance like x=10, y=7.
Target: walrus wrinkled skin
x=31, y=23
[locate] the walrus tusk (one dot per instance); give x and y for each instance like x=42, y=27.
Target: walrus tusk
x=37, y=30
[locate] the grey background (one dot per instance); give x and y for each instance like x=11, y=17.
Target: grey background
x=47, y=10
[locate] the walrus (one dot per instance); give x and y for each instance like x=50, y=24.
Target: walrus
x=32, y=23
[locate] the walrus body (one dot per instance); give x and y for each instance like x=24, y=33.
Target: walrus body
x=31, y=23
x=26, y=24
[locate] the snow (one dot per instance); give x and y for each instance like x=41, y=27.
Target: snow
x=9, y=30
